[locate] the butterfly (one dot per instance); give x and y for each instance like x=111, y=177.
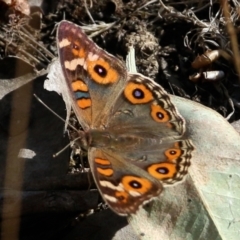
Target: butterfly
x=131, y=130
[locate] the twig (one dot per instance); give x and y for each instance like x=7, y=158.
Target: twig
x=232, y=35
x=24, y=31
x=88, y=13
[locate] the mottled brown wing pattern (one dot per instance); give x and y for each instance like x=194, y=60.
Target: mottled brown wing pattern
x=133, y=131
x=94, y=77
x=122, y=185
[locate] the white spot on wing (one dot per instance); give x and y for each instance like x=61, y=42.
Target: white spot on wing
x=134, y=193
x=109, y=198
x=64, y=43
x=92, y=57
x=72, y=65
x=85, y=66
x=111, y=186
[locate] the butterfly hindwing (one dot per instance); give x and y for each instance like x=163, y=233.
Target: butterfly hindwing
x=122, y=185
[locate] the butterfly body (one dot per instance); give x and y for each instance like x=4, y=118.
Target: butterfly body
x=132, y=131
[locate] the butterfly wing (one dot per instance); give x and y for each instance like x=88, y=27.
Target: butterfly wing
x=123, y=186
x=142, y=147
x=144, y=144
x=145, y=112
x=93, y=76
x=145, y=107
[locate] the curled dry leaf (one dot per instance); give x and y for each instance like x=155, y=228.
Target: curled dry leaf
x=208, y=58
x=213, y=75
x=207, y=76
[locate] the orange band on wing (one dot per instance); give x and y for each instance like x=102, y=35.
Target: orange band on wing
x=102, y=161
x=106, y=172
x=137, y=93
x=84, y=103
x=79, y=85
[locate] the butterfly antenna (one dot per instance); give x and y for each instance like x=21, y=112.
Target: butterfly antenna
x=63, y=149
x=45, y=105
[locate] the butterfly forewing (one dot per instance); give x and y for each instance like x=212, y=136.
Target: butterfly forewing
x=94, y=77
x=145, y=107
